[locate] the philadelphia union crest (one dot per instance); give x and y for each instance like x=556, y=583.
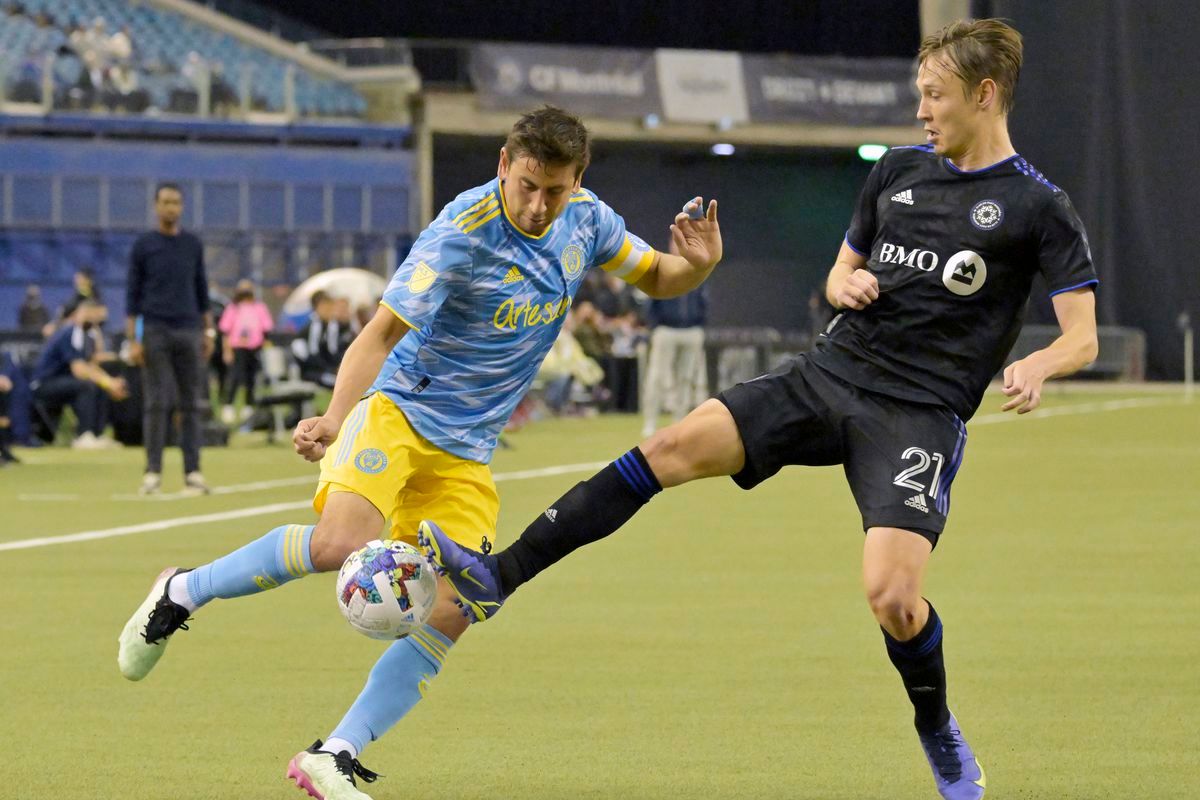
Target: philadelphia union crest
x=370, y=461
x=572, y=259
x=986, y=214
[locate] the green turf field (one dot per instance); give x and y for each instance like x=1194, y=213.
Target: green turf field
x=718, y=647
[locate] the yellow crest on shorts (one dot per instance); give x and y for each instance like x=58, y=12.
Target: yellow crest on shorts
x=422, y=278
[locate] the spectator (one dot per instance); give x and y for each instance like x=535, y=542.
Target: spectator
x=67, y=375
x=6, y=454
x=321, y=342
x=33, y=315
x=365, y=312
x=245, y=325
x=217, y=303
x=223, y=98
x=85, y=289
x=344, y=315
x=676, y=354
x=120, y=45
x=168, y=288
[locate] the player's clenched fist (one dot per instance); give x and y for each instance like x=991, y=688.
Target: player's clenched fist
x=313, y=436
x=858, y=291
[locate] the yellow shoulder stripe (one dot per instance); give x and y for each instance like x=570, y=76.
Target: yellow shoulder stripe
x=490, y=196
x=475, y=216
x=491, y=215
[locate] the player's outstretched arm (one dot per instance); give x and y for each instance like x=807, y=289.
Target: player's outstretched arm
x=697, y=238
x=360, y=366
x=849, y=284
x=1071, y=352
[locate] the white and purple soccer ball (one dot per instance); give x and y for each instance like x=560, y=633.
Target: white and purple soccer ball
x=386, y=590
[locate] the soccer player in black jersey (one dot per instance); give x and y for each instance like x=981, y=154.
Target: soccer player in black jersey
x=931, y=282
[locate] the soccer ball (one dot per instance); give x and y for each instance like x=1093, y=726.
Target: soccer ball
x=386, y=590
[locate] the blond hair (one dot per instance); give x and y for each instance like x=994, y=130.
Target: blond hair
x=978, y=49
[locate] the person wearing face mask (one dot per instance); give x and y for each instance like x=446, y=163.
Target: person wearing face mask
x=67, y=375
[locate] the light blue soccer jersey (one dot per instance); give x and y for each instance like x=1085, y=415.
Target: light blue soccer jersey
x=486, y=302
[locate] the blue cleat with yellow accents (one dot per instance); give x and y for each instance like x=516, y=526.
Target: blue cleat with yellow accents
x=473, y=574
x=958, y=773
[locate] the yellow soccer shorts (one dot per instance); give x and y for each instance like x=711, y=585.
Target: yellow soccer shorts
x=380, y=457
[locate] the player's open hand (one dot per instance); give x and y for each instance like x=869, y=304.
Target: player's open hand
x=313, y=437
x=698, y=238
x=858, y=291
x=1023, y=383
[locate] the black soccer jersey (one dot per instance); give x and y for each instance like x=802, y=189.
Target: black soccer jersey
x=955, y=254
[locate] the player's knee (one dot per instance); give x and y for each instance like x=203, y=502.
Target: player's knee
x=895, y=606
x=674, y=457
x=332, y=544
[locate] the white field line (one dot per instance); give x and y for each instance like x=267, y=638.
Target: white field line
x=987, y=419
x=1078, y=408
x=165, y=524
x=236, y=488
x=256, y=486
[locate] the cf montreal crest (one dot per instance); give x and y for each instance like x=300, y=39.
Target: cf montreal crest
x=986, y=214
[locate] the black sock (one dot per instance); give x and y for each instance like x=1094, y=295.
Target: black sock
x=589, y=512
x=5, y=442
x=919, y=662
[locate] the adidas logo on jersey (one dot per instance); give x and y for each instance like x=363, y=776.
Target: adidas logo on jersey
x=552, y=514
x=917, y=501
x=903, y=197
x=513, y=276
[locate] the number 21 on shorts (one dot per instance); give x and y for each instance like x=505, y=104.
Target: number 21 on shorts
x=906, y=477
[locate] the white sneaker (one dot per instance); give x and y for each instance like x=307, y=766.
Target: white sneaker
x=151, y=483
x=108, y=443
x=246, y=413
x=227, y=415
x=194, y=484
x=86, y=441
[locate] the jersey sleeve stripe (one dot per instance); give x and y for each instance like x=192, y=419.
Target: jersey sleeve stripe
x=581, y=198
x=400, y=316
x=495, y=212
x=1092, y=282
x=470, y=211
x=852, y=247
x=474, y=216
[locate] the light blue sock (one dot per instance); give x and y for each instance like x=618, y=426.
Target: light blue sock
x=280, y=556
x=397, y=681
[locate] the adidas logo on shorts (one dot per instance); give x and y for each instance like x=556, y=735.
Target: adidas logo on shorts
x=552, y=514
x=917, y=501
x=903, y=197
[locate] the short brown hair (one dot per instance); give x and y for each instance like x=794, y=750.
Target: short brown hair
x=977, y=49
x=550, y=135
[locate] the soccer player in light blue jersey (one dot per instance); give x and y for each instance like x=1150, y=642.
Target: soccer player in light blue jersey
x=420, y=400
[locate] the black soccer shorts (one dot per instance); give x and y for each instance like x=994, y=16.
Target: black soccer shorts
x=900, y=457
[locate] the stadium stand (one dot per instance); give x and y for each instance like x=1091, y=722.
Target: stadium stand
x=122, y=56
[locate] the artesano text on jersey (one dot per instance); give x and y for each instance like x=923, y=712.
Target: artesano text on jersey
x=955, y=254
x=486, y=302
